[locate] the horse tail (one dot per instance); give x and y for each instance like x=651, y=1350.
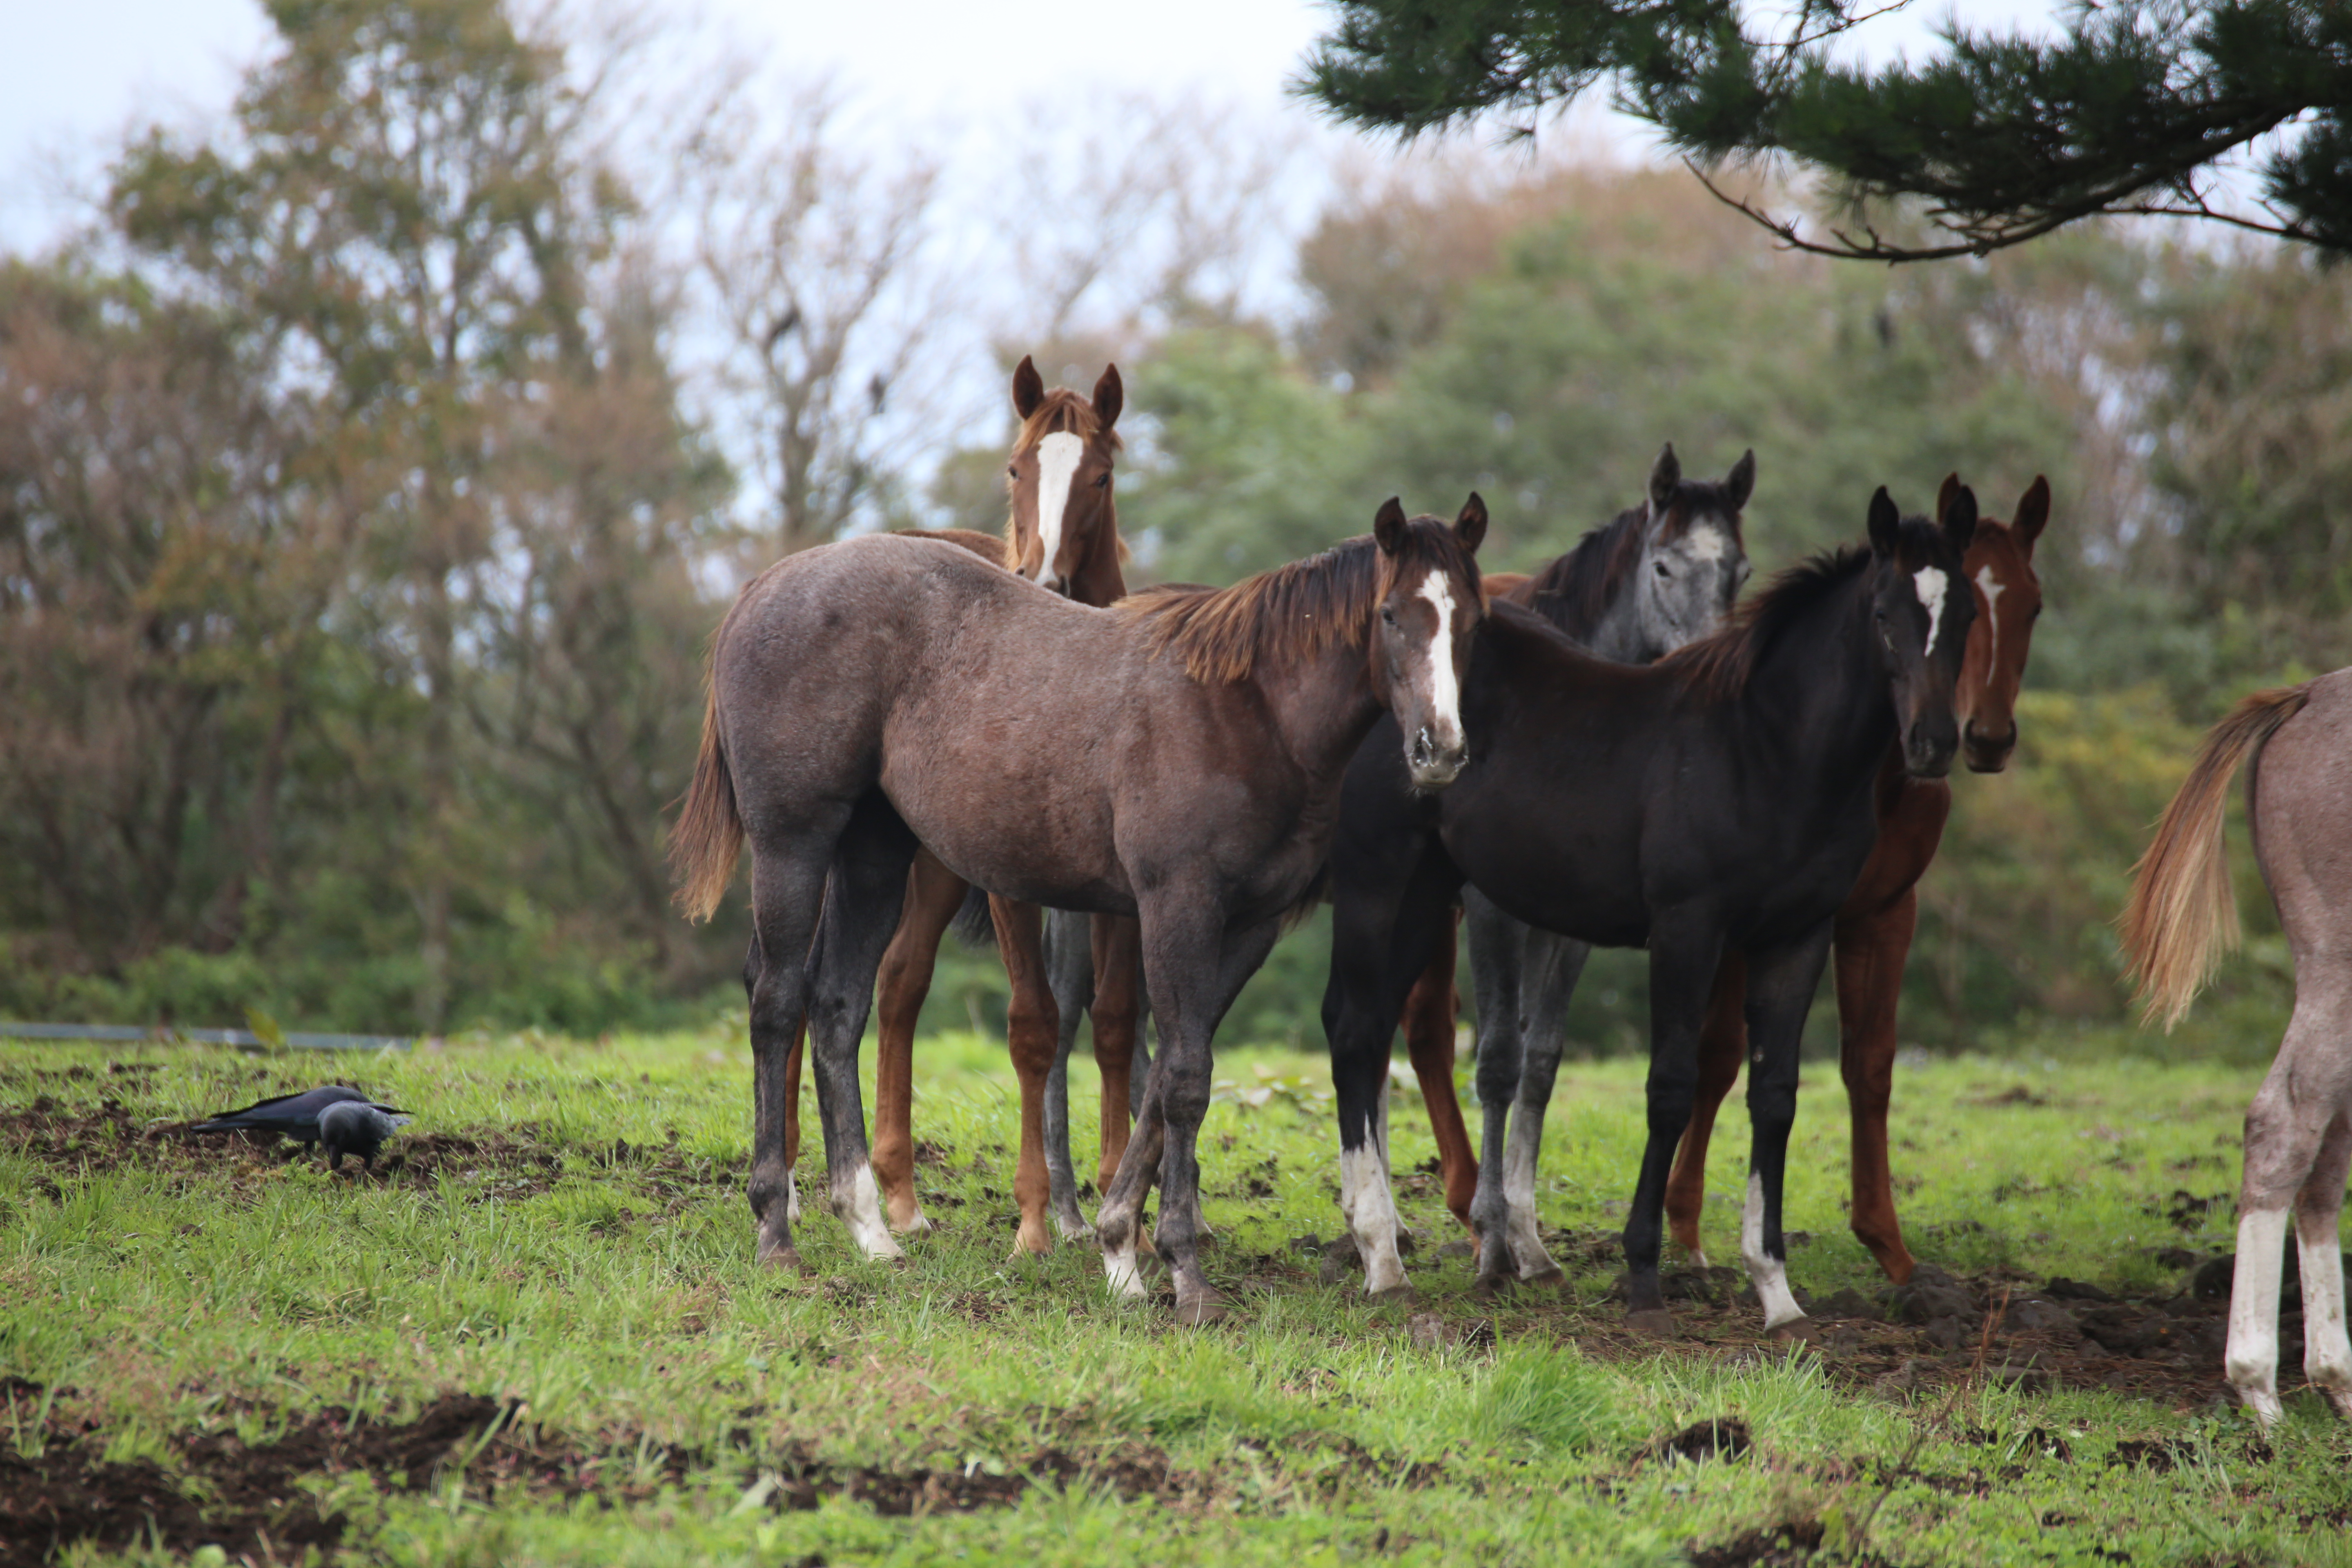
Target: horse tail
x=709, y=837
x=2183, y=914
x=972, y=921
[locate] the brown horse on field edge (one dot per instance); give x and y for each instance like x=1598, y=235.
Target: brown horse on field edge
x=1061, y=532
x=2297, y=745
x=1177, y=758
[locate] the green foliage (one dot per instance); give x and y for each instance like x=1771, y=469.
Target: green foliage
x=1999, y=138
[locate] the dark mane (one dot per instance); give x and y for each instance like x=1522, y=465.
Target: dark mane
x=1292, y=613
x=1719, y=664
x=1581, y=585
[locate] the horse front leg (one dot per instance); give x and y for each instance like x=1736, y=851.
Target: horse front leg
x=1722, y=1042
x=1032, y=1031
x=1191, y=996
x=1497, y=948
x=1781, y=986
x=1430, y=1010
x=1552, y=966
x=1686, y=949
x=933, y=894
x=1070, y=973
x=1870, y=955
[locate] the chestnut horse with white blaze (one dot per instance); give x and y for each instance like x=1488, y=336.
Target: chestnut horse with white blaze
x=1061, y=533
x=2296, y=746
x=1874, y=926
x=1177, y=758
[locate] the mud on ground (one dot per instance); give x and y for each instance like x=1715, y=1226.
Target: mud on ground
x=265, y=1498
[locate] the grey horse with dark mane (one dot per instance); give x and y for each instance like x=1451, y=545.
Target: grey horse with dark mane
x=1177, y=758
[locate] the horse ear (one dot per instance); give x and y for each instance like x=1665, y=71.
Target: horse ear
x=1741, y=480
x=1471, y=526
x=1945, y=493
x=1110, y=396
x=1665, y=474
x=1959, y=517
x=1885, y=522
x=1388, y=526
x=1028, y=387
x=2033, y=512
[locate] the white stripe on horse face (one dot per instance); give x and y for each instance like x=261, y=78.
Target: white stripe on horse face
x=1445, y=686
x=1992, y=588
x=1058, y=466
x=1931, y=582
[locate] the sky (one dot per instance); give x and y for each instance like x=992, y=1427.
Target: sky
x=98, y=66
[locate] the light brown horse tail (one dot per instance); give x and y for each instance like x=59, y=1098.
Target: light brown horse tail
x=709, y=837
x=2183, y=915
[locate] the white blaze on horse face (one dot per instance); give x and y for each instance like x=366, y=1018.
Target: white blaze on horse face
x=1769, y=1275
x=1707, y=543
x=1931, y=582
x=1058, y=466
x=1445, y=686
x=1991, y=588
x=2250, y=1362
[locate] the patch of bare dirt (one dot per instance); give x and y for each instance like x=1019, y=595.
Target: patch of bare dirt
x=250, y=1498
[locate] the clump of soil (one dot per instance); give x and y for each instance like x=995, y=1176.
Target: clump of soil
x=1725, y=1437
x=254, y=1501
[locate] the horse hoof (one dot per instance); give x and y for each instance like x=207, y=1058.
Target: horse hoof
x=784, y=1258
x=1655, y=1324
x=1201, y=1311
x=1798, y=1330
x=1547, y=1280
x=1489, y=1287
x=918, y=1226
x=1402, y=1294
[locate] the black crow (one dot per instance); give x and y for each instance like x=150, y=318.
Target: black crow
x=343, y=1119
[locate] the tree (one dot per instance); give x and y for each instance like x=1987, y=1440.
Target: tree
x=2002, y=139
x=397, y=201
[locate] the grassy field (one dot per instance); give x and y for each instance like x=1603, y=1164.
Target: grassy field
x=540, y=1338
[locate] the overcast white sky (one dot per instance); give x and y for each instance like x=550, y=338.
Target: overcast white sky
x=84, y=72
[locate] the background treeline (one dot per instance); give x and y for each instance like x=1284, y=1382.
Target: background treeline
x=373, y=467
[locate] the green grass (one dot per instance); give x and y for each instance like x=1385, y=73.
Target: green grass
x=618, y=1299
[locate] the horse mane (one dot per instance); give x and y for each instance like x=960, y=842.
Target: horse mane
x=1583, y=581
x=1292, y=613
x=1720, y=665
x=1062, y=412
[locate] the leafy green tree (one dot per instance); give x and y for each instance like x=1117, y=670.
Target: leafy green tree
x=2002, y=139
x=400, y=199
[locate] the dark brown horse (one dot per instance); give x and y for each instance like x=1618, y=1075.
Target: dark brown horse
x=2296, y=746
x=1875, y=924
x=1655, y=577
x=1177, y=758
x=1062, y=531
x=1717, y=801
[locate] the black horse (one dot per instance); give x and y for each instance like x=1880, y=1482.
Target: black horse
x=1717, y=800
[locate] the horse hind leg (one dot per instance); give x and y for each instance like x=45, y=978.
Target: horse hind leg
x=1554, y=965
x=866, y=886
x=788, y=886
x=934, y=893
x=2326, y=1348
x=1118, y=1013
x=1031, y=1038
x=1430, y=1010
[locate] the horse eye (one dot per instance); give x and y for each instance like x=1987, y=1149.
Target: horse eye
x=1102, y=481
x=1662, y=570
x=1387, y=617
x=1011, y=471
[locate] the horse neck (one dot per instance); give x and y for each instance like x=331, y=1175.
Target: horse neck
x=1099, y=579
x=1323, y=708
x=1821, y=694
x=1618, y=634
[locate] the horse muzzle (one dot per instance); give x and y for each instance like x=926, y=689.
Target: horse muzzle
x=1433, y=763
x=1927, y=748
x=1986, y=754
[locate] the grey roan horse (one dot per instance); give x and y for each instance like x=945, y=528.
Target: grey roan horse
x=1177, y=758
x=2297, y=746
